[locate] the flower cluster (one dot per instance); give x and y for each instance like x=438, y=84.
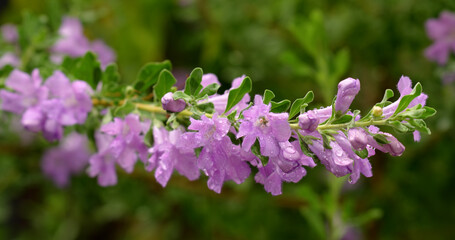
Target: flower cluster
x=46, y=107
x=71, y=42
x=442, y=32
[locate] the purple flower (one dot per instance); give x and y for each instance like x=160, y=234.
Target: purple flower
x=269, y=128
x=102, y=163
x=166, y=156
x=9, y=58
x=69, y=158
x=394, y=147
x=220, y=101
x=9, y=33
x=219, y=158
x=171, y=105
x=308, y=121
x=68, y=105
x=105, y=54
x=347, y=90
x=208, y=79
x=442, y=31
x=341, y=159
x=405, y=87
x=128, y=143
x=72, y=42
x=287, y=166
x=28, y=91
x=70, y=101
x=358, y=138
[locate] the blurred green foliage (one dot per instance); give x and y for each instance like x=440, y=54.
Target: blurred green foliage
x=289, y=46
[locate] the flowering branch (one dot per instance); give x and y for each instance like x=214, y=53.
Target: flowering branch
x=196, y=129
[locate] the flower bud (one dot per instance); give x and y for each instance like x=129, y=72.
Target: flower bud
x=171, y=105
x=377, y=111
x=394, y=147
x=358, y=138
x=347, y=90
x=308, y=121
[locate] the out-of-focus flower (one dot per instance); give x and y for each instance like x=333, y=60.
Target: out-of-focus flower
x=9, y=33
x=102, y=163
x=442, y=31
x=69, y=158
x=9, y=58
x=28, y=91
x=72, y=42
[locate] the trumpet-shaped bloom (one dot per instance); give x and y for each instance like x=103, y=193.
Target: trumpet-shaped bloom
x=219, y=159
x=166, y=156
x=286, y=167
x=128, y=144
x=269, y=128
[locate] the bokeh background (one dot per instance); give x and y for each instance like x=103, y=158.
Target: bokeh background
x=290, y=47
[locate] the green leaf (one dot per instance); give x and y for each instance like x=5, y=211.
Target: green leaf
x=326, y=141
x=268, y=96
x=181, y=95
x=149, y=73
x=111, y=79
x=125, y=109
x=86, y=68
x=304, y=146
x=279, y=107
x=420, y=125
x=232, y=115
x=209, y=90
x=387, y=95
x=429, y=112
x=206, y=107
x=236, y=95
x=298, y=103
x=381, y=139
x=197, y=151
x=256, y=150
x=89, y=70
x=344, y=119
x=362, y=153
x=193, y=82
x=165, y=82
x=107, y=118
x=398, y=126
x=148, y=138
x=406, y=100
